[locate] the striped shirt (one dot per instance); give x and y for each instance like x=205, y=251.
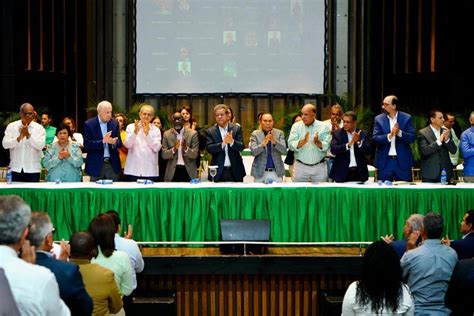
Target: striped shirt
x=310, y=153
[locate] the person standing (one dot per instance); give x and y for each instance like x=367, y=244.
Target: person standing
x=393, y=133
x=224, y=143
x=435, y=146
x=25, y=139
x=449, y=121
x=101, y=141
x=143, y=141
x=46, y=120
x=310, y=140
x=267, y=144
x=467, y=149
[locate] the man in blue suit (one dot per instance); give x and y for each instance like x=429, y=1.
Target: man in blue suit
x=101, y=141
x=349, y=145
x=71, y=287
x=464, y=247
x=393, y=133
x=224, y=143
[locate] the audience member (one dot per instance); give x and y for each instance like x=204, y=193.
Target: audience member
x=449, y=121
x=180, y=149
x=435, y=145
x=26, y=140
x=393, y=133
x=411, y=230
x=71, y=287
x=428, y=268
x=310, y=140
x=102, y=229
x=34, y=288
x=224, y=143
x=461, y=288
x=8, y=306
x=465, y=246
x=101, y=141
x=99, y=281
x=50, y=131
x=76, y=137
x=143, y=142
x=467, y=149
x=122, y=121
x=380, y=291
x=267, y=144
x=63, y=158
x=349, y=145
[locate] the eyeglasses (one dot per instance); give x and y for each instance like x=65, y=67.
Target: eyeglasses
x=28, y=113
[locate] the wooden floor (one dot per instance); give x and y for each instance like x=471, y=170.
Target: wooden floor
x=272, y=252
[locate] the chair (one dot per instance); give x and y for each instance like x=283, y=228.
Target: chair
x=415, y=174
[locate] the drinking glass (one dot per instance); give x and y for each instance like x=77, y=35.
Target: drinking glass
x=213, y=172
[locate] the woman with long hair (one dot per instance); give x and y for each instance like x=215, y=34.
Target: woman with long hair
x=122, y=120
x=380, y=291
x=102, y=228
x=188, y=119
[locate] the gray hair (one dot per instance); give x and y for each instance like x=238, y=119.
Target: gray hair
x=222, y=107
x=40, y=227
x=416, y=221
x=23, y=106
x=14, y=217
x=102, y=105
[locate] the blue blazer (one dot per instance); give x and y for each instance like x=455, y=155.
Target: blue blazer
x=402, y=145
x=71, y=287
x=95, y=148
x=464, y=247
x=340, y=166
x=214, y=147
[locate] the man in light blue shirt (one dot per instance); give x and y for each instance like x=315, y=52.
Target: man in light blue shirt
x=428, y=268
x=310, y=140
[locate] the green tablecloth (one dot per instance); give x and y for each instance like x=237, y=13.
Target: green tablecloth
x=313, y=213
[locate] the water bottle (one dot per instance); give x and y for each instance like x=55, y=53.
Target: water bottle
x=104, y=181
x=9, y=176
x=444, y=176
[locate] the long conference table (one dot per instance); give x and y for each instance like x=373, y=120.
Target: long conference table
x=299, y=212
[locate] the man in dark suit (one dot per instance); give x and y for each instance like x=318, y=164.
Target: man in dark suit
x=393, y=133
x=71, y=287
x=224, y=143
x=435, y=144
x=180, y=149
x=461, y=289
x=349, y=145
x=464, y=247
x=101, y=141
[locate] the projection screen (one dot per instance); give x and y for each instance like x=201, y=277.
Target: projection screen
x=230, y=46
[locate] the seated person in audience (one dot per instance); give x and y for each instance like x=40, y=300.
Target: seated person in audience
x=99, y=281
x=310, y=140
x=465, y=246
x=380, y=291
x=180, y=149
x=34, y=288
x=63, y=158
x=412, y=229
x=428, y=268
x=8, y=306
x=349, y=145
x=76, y=137
x=467, y=149
x=102, y=229
x=267, y=144
x=25, y=139
x=459, y=297
x=71, y=287
x=224, y=143
x=143, y=142
x=435, y=145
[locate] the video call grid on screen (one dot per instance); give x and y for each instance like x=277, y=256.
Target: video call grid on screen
x=222, y=46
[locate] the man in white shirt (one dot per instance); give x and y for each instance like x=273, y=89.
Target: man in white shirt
x=25, y=139
x=34, y=288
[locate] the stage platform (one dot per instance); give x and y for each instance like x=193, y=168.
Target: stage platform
x=299, y=212
x=286, y=281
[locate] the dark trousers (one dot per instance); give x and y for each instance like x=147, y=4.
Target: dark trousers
x=180, y=174
x=353, y=175
x=25, y=177
x=131, y=178
x=227, y=175
x=107, y=172
x=393, y=172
